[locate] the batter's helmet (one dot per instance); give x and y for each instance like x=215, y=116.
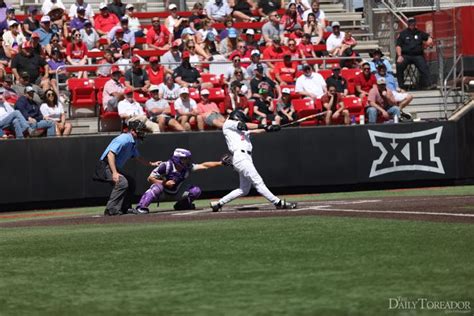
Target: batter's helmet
x=139, y=127
x=238, y=115
x=181, y=157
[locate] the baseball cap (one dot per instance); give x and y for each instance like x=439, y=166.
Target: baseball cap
x=232, y=33
x=125, y=47
x=176, y=43
x=172, y=6
x=255, y=52
x=336, y=67
x=35, y=35
x=24, y=75
x=124, y=19
x=128, y=91
x=335, y=23
x=45, y=19
x=411, y=20
x=12, y=22
x=26, y=45
x=188, y=30
x=250, y=32
x=103, y=6
x=153, y=59
x=87, y=23
x=183, y=90
x=286, y=91
x=276, y=39
x=259, y=68
x=32, y=9
x=307, y=67
x=119, y=30
x=80, y=9
x=381, y=80
x=185, y=54
x=135, y=59
x=11, y=10
x=129, y=6
x=154, y=87
x=205, y=92
x=29, y=89
x=210, y=37
x=114, y=69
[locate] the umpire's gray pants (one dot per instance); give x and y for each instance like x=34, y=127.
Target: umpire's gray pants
x=120, y=197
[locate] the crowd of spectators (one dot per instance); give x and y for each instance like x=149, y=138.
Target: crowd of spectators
x=36, y=48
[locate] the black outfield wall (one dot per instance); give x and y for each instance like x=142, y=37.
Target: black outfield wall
x=60, y=169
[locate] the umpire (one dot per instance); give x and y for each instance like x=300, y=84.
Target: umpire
x=410, y=51
x=120, y=149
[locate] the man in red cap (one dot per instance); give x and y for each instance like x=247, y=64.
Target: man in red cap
x=188, y=76
x=156, y=72
x=136, y=78
x=27, y=61
x=130, y=110
x=113, y=91
x=158, y=36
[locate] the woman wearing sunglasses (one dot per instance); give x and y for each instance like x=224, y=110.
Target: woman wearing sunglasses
x=52, y=109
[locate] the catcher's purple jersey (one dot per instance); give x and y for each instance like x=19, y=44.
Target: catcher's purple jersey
x=167, y=171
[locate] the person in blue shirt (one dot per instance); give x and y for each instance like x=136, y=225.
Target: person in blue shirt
x=120, y=150
x=377, y=60
x=32, y=114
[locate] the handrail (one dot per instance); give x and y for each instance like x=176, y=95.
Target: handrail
x=393, y=9
x=445, y=89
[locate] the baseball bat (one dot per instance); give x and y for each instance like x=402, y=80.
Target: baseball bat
x=304, y=119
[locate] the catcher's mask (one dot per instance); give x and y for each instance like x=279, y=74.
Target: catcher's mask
x=182, y=158
x=238, y=115
x=139, y=128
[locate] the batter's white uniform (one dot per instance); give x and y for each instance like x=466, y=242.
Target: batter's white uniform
x=240, y=146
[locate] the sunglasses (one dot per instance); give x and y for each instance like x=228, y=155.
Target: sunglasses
x=191, y=47
x=238, y=72
x=366, y=68
x=236, y=60
x=50, y=95
x=332, y=91
x=291, y=44
x=242, y=46
x=275, y=15
x=155, y=21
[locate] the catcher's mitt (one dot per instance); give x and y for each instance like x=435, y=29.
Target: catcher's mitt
x=226, y=160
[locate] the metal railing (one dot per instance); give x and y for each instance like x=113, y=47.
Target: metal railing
x=457, y=76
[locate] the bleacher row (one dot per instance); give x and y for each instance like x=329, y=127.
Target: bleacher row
x=87, y=93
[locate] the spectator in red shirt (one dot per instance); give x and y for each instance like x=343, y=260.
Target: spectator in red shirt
x=290, y=18
x=297, y=34
x=333, y=104
x=236, y=99
x=156, y=72
x=293, y=49
x=76, y=53
x=365, y=81
x=285, y=72
x=306, y=47
x=275, y=51
x=158, y=36
x=105, y=21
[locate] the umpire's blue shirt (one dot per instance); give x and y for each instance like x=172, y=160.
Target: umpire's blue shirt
x=124, y=147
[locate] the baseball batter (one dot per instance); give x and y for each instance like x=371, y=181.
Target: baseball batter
x=168, y=178
x=237, y=134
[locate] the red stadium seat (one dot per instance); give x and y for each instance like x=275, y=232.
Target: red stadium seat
x=212, y=78
x=305, y=107
x=82, y=94
x=194, y=94
x=109, y=121
x=140, y=97
x=326, y=73
x=100, y=82
x=293, y=93
x=353, y=104
x=216, y=95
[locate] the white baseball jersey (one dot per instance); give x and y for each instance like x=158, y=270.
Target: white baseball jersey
x=236, y=139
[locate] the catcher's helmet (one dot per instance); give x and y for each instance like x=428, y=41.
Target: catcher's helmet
x=238, y=115
x=182, y=157
x=139, y=127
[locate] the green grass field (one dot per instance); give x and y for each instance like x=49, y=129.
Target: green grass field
x=308, y=265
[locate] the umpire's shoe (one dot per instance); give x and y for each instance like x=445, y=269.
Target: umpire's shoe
x=283, y=204
x=216, y=206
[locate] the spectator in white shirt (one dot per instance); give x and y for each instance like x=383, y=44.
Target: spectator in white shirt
x=49, y=4
x=169, y=90
x=159, y=111
x=52, y=109
x=334, y=41
x=319, y=14
x=186, y=109
x=218, y=10
x=89, y=15
x=12, y=39
x=130, y=110
x=310, y=84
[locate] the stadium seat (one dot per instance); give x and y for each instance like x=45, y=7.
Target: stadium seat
x=326, y=73
x=82, y=94
x=212, y=78
x=100, y=82
x=305, y=107
x=194, y=94
x=216, y=95
x=293, y=93
x=140, y=97
x=353, y=104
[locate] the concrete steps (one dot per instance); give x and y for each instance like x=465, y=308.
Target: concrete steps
x=430, y=104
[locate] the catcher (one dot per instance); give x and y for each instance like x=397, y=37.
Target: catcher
x=170, y=175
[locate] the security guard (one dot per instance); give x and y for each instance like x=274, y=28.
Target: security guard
x=410, y=51
x=120, y=149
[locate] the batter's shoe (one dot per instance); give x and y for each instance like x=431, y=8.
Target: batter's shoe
x=283, y=205
x=216, y=206
x=139, y=210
